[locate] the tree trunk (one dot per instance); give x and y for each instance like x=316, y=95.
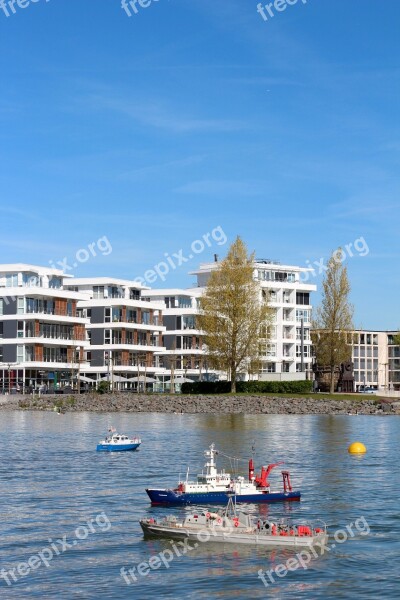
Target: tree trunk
x=233, y=381
x=332, y=380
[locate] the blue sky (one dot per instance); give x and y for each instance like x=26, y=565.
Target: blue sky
x=154, y=129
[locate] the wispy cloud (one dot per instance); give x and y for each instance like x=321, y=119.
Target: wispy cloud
x=155, y=113
x=224, y=187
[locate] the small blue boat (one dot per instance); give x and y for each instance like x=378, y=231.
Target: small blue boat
x=117, y=442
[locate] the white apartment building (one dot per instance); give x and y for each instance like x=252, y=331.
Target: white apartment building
x=184, y=356
x=41, y=331
x=288, y=355
x=124, y=330
x=54, y=327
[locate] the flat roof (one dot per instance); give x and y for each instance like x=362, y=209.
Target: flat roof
x=22, y=267
x=78, y=281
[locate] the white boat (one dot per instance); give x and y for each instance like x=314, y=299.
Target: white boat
x=229, y=526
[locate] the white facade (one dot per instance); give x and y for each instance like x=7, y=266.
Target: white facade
x=40, y=329
x=184, y=355
x=52, y=326
x=124, y=328
x=285, y=356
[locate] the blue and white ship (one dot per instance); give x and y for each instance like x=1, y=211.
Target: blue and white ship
x=213, y=487
x=117, y=442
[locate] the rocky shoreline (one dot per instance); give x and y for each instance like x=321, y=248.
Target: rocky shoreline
x=251, y=404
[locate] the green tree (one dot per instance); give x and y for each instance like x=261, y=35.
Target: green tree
x=396, y=339
x=232, y=315
x=333, y=320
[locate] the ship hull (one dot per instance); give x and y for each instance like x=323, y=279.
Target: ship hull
x=214, y=535
x=170, y=497
x=117, y=447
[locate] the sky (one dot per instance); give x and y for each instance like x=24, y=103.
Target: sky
x=125, y=140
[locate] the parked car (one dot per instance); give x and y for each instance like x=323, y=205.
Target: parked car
x=364, y=389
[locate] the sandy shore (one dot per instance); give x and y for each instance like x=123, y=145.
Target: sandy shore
x=252, y=404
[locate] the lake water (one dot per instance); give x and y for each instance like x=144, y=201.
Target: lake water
x=54, y=486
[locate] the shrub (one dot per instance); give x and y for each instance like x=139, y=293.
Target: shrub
x=248, y=387
x=103, y=387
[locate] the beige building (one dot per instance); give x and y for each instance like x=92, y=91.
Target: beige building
x=376, y=360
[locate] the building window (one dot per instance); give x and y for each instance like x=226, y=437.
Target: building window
x=134, y=294
x=107, y=315
x=303, y=298
x=117, y=315
x=271, y=350
x=21, y=305
x=1, y=330
x=184, y=302
x=116, y=337
x=169, y=301
x=98, y=292
x=304, y=315
x=186, y=343
x=131, y=316
x=306, y=333
x=115, y=292
x=55, y=283
x=12, y=280
x=287, y=314
x=268, y=367
x=142, y=338
x=306, y=352
x=1, y=306
x=29, y=353
x=107, y=336
x=145, y=317
x=188, y=322
x=20, y=354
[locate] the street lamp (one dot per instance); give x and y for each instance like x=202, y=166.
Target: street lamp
x=107, y=359
x=9, y=378
x=78, y=358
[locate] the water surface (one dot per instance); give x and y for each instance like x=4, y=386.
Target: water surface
x=52, y=482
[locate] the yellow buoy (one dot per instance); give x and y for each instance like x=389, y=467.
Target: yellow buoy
x=357, y=448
